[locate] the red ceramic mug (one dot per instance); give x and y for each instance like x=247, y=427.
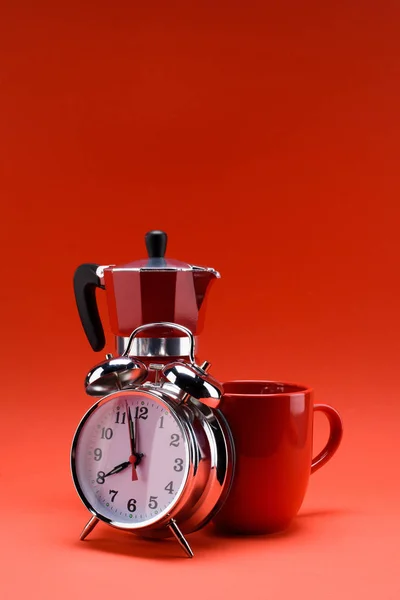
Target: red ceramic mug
x=272, y=427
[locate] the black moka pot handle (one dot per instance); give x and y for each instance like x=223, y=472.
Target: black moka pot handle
x=86, y=281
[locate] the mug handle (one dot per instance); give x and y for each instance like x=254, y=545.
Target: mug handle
x=335, y=436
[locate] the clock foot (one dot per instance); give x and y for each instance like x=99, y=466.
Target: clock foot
x=180, y=538
x=90, y=525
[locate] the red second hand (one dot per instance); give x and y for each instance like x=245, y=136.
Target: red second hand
x=132, y=460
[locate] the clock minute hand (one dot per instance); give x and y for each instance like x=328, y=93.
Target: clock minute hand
x=132, y=440
x=132, y=432
x=118, y=468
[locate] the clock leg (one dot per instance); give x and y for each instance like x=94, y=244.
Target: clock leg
x=180, y=537
x=90, y=525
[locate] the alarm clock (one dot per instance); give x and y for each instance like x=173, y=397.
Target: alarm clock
x=153, y=456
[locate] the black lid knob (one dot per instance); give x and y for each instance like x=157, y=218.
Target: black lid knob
x=156, y=243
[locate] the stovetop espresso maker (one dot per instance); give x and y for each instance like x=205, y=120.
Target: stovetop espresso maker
x=151, y=290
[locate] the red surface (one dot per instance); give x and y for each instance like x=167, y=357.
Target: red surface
x=272, y=426
x=264, y=138
x=134, y=298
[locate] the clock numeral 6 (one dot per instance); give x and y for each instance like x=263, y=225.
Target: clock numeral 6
x=100, y=477
x=178, y=465
x=174, y=440
x=113, y=494
x=153, y=502
x=131, y=505
x=169, y=488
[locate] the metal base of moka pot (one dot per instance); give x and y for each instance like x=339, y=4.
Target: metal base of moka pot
x=150, y=347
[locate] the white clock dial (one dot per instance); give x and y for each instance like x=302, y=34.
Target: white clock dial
x=130, y=459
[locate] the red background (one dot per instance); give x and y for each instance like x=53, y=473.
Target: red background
x=263, y=137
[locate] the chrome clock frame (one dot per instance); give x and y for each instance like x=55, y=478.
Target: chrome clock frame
x=209, y=474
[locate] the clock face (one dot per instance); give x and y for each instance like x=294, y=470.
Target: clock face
x=130, y=459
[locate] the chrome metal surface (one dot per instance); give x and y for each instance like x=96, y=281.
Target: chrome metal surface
x=157, y=368
x=211, y=464
x=142, y=266
x=114, y=374
x=175, y=326
x=189, y=440
x=217, y=455
x=208, y=269
x=180, y=538
x=212, y=479
x=149, y=347
x=90, y=525
x=194, y=381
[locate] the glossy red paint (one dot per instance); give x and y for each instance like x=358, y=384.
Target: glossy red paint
x=272, y=425
x=135, y=298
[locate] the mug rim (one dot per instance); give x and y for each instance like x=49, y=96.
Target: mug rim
x=301, y=388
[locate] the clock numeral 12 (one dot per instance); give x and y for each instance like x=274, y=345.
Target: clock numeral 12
x=141, y=412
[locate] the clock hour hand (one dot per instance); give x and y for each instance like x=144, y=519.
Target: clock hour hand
x=118, y=468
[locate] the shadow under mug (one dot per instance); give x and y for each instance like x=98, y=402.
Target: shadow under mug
x=272, y=427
